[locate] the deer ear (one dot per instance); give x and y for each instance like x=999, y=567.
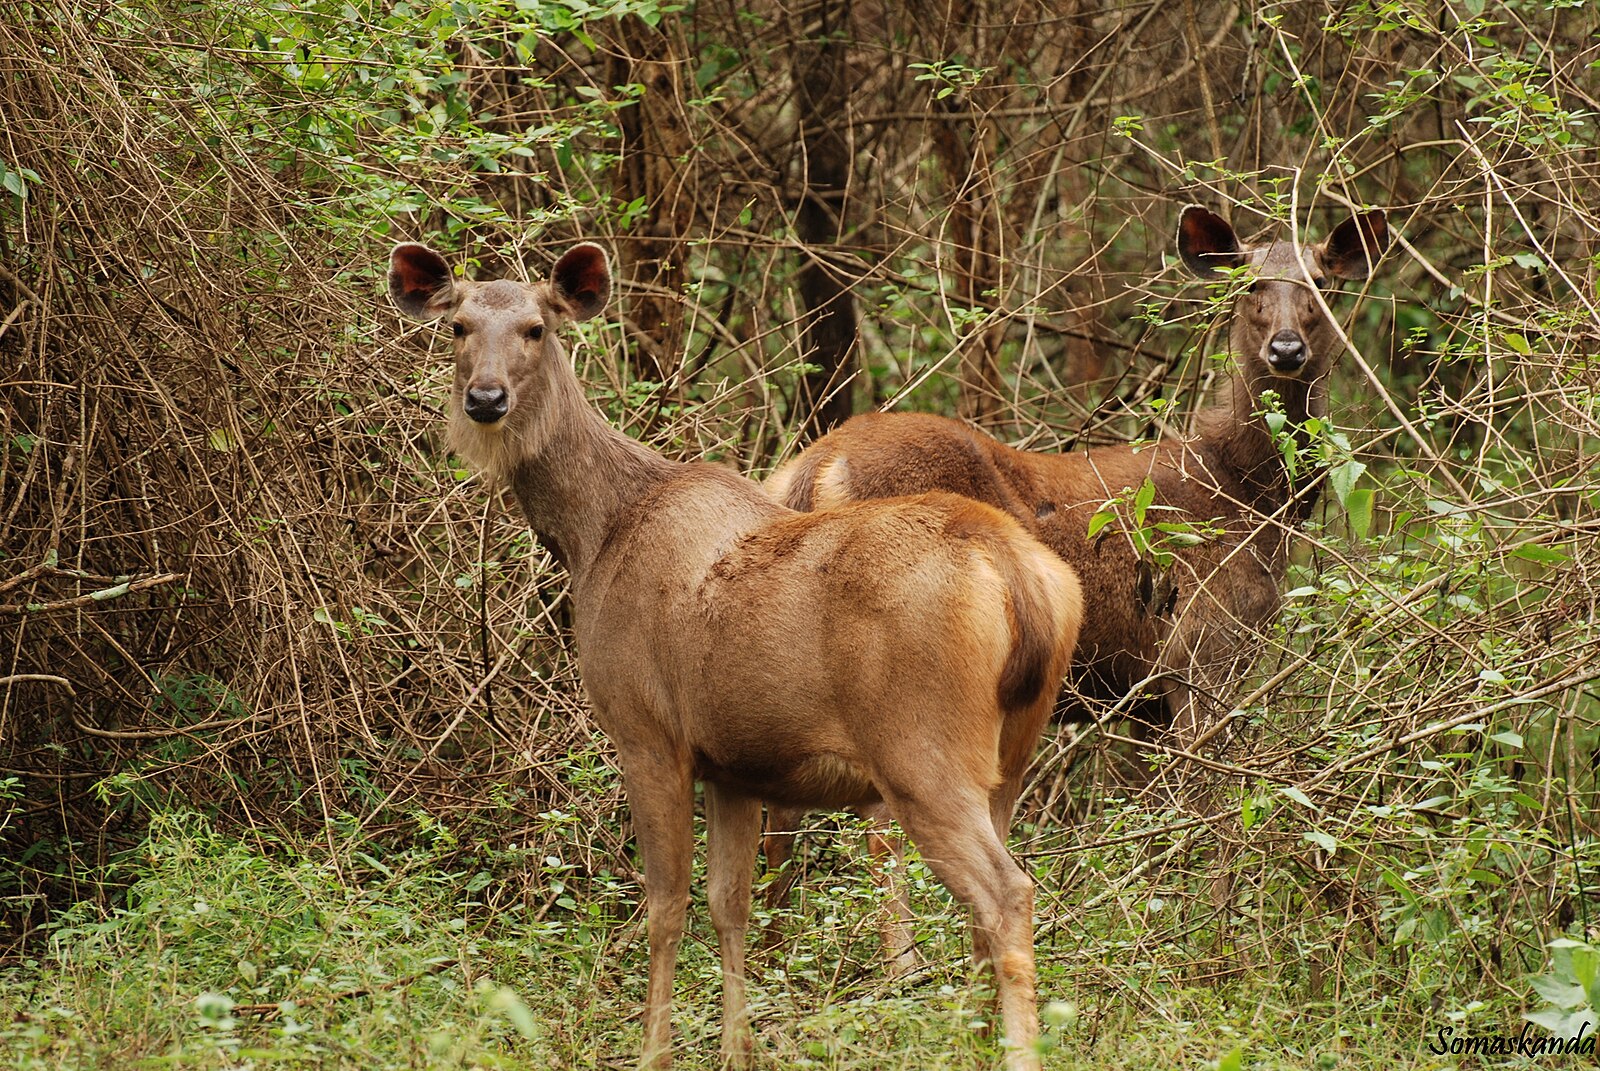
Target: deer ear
x=1206, y=243
x=1355, y=245
x=580, y=283
x=419, y=282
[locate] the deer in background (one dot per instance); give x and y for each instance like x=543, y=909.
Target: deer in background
x=1180, y=643
x=905, y=652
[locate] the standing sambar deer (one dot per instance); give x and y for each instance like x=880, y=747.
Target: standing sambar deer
x=904, y=651
x=1230, y=481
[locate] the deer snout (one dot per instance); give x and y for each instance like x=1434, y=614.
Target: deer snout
x=486, y=404
x=1286, y=352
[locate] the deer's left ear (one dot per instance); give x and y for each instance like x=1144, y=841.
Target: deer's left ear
x=580, y=283
x=1355, y=246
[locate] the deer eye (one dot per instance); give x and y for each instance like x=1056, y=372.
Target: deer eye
x=459, y=330
x=536, y=332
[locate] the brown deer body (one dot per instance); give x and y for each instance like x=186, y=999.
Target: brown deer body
x=901, y=651
x=1174, y=645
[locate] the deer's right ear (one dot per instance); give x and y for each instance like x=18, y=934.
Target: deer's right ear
x=419, y=282
x=1355, y=245
x=1206, y=242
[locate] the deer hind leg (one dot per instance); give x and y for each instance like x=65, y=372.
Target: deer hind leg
x=954, y=828
x=777, y=845
x=733, y=829
x=1002, y=808
x=661, y=798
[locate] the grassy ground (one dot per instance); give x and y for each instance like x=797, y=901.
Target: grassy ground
x=227, y=954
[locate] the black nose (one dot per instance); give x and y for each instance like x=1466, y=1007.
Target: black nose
x=485, y=404
x=1287, y=350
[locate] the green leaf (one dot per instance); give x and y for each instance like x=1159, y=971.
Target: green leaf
x=1098, y=522
x=1325, y=841
x=1343, y=480
x=1234, y=1061
x=1562, y=1024
x=1508, y=738
x=1517, y=342
x=1299, y=797
x=1142, y=500
x=505, y=1001
x=1542, y=555
x=1359, y=508
x=1398, y=884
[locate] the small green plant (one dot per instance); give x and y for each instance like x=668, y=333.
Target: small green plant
x=949, y=76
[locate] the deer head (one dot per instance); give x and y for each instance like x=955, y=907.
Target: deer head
x=510, y=367
x=1278, y=327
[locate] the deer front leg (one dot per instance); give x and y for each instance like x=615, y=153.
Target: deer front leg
x=661, y=796
x=1212, y=646
x=733, y=829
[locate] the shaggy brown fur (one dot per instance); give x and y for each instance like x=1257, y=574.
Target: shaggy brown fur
x=902, y=651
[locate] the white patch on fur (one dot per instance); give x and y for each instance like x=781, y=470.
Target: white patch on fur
x=777, y=485
x=833, y=485
x=486, y=448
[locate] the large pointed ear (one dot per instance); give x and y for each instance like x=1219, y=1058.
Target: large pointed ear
x=1206, y=242
x=580, y=283
x=419, y=282
x=1355, y=245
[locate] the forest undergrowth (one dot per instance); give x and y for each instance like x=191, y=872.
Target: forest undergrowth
x=294, y=761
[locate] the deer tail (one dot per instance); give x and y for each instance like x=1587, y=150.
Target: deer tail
x=1046, y=603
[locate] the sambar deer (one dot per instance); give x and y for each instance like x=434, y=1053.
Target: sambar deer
x=903, y=651
x=1186, y=638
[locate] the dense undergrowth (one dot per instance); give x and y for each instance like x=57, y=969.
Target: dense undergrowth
x=296, y=765
x=224, y=953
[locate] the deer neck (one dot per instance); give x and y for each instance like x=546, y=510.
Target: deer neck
x=576, y=477
x=1241, y=442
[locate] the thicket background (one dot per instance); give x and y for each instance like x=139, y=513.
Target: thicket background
x=261, y=637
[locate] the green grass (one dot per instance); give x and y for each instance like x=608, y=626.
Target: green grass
x=228, y=954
